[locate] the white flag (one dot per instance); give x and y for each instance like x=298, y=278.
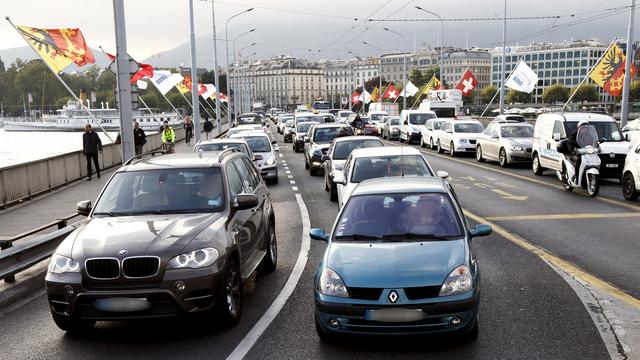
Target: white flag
x=522, y=78
x=409, y=90
x=367, y=96
x=211, y=89
x=165, y=80
x=141, y=84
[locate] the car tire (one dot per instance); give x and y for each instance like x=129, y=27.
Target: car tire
x=306, y=164
x=431, y=146
x=333, y=193
x=452, y=150
x=71, y=325
x=400, y=138
x=270, y=260
x=323, y=334
x=535, y=165
x=422, y=144
x=502, y=158
x=312, y=171
x=229, y=308
x=479, y=157
x=326, y=183
x=440, y=149
x=629, y=187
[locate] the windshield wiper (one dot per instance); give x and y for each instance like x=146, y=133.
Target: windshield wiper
x=410, y=235
x=357, y=237
x=113, y=213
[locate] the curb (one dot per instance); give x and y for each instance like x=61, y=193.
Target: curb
x=27, y=282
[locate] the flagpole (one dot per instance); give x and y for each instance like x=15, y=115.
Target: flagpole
x=64, y=84
x=624, y=110
x=589, y=73
x=170, y=103
x=491, y=102
x=149, y=109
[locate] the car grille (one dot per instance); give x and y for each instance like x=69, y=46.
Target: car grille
x=364, y=293
x=140, y=267
x=472, y=141
x=422, y=292
x=102, y=268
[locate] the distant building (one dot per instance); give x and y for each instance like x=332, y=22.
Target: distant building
x=454, y=65
x=338, y=80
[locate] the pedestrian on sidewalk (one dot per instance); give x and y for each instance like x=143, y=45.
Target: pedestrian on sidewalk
x=91, y=145
x=168, y=138
x=208, y=127
x=188, y=129
x=139, y=137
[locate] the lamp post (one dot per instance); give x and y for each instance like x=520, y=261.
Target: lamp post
x=404, y=66
x=215, y=67
x=242, y=79
x=235, y=107
x=226, y=40
x=379, y=69
x=441, y=36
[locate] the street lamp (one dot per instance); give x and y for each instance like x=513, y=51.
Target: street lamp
x=379, y=69
x=441, y=35
x=404, y=66
x=226, y=40
x=242, y=81
x=235, y=109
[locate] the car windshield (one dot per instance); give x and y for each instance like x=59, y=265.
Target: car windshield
x=303, y=127
x=420, y=119
x=344, y=114
x=289, y=123
x=468, y=128
x=222, y=146
x=258, y=143
x=344, y=148
x=399, y=217
x=394, y=121
x=162, y=191
x=326, y=135
x=377, y=117
x=286, y=119
x=318, y=119
x=608, y=130
x=516, y=131
x=390, y=165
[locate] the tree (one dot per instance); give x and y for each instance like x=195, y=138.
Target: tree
x=634, y=90
x=586, y=92
x=417, y=78
x=555, y=93
x=487, y=93
x=514, y=96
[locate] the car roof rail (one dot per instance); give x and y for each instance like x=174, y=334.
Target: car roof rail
x=139, y=157
x=226, y=152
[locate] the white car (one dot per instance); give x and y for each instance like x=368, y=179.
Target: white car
x=412, y=122
x=632, y=130
x=376, y=118
x=378, y=162
x=264, y=154
x=244, y=129
x=282, y=121
x=459, y=136
x=631, y=174
x=430, y=133
x=343, y=116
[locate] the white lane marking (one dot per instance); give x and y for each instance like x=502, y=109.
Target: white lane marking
x=292, y=182
x=280, y=155
x=288, y=172
x=294, y=188
x=290, y=176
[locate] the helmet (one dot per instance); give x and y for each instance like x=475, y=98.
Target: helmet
x=583, y=123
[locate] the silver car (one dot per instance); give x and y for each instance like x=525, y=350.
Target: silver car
x=506, y=143
x=262, y=147
x=391, y=128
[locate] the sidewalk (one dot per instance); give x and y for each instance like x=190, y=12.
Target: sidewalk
x=59, y=203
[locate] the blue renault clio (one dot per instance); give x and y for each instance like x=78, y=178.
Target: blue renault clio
x=398, y=262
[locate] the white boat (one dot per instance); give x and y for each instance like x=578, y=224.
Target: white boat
x=72, y=117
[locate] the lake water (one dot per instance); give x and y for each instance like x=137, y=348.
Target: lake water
x=18, y=147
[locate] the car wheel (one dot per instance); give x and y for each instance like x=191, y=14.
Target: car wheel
x=431, y=146
x=268, y=263
x=502, y=158
x=312, y=172
x=323, y=334
x=422, y=144
x=629, y=187
x=452, y=150
x=537, y=168
x=72, y=326
x=440, y=149
x=326, y=182
x=479, y=157
x=230, y=302
x=400, y=138
x=306, y=164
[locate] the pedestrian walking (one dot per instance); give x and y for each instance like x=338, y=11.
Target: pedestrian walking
x=208, y=127
x=188, y=129
x=139, y=137
x=168, y=139
x=91, y=145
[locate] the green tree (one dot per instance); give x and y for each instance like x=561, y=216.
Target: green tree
x=514, y=96
x=586, y=92
x=634, y=90
x=555, y=93
x=487, y=93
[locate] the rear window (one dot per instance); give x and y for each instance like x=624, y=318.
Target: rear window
x=444, y=112
x=258, y=143
x=344, y=148
x=303, y=127
x=392, y=165
x=420, y=119
x=220, y=147
x=326, y=135
x=468, y=128
x=516, y=131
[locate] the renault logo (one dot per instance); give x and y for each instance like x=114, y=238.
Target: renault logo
x=393, y=296
x=612, y=155
x=122, y=252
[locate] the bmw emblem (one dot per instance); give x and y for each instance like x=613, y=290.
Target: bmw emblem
x=612, y=155
x=122, y=252
x=393, y=296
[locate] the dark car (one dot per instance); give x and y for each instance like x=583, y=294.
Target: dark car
x=169, y=235
x=299, y=133
x=317, y=142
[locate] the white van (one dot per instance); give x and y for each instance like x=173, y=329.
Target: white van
x=412, y=122
x=553, y=127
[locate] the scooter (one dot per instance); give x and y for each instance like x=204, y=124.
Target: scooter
x=589, y=165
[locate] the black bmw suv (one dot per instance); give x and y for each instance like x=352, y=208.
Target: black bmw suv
x=168, y=235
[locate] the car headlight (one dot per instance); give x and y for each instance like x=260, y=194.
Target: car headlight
x=331, y=284
x=458, y=281
x=195, y=259
x=61, y=264
x=394, y=130
x=463, y=140
x=270, y=160
x=516, y=148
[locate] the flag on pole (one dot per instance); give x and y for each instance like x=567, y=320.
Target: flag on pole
x=409, y=90
x=58, y=47
x=390, y=93
x=201, y=88
x=144, y=71
x=375, y=94
x=355, y=97
x=185, y=85
x=522, y=78
x=467, y=83
x=609, y=71
x=141, y=84
x=209, y=92
x=433, y=84
x=165, y=80
x=365, y=96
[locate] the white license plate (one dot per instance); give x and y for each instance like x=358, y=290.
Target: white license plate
x=612, y=165
x=395, y=315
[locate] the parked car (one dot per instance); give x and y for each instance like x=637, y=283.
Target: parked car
x=364, y=164
x=431, y=132
x=337, y=154
x=506, y=143
x=398, y=261
x=299, y=133
x=459, y=136
x=163, y=239
x=288, y=130
x=391, y=128
x=631, y=174
x=317, y=141
x=262, y=147
x=412, y=122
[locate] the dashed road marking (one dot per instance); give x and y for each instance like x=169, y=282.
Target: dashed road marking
x=292, y=182
x=294, y=188
x=563, y=216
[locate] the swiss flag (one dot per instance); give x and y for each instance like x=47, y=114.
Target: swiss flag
x=467, y=83
x=355, y=97
x=391, y=93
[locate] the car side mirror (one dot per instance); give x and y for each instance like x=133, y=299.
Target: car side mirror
x=481, y=230
x=627, y=137
x=318, y=234
x=563, y=147
x=257, y=157
x=442, y=174
x=84, y=207
x=306, y=139
x=338, y=178
x=246, y=201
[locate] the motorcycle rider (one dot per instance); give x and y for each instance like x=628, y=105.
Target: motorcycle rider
x=357, y=122
x=574, y=146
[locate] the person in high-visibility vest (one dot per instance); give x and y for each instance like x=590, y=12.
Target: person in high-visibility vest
x=168, y=138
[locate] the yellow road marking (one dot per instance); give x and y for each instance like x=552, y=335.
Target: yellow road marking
x=562, y=216
x=510, y=196
x=483, y=186
x=569, y=268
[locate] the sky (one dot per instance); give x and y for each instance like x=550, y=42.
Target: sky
x=295, y=26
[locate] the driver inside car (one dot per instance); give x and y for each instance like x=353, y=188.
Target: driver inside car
x=209, y=193
x=428, y=216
